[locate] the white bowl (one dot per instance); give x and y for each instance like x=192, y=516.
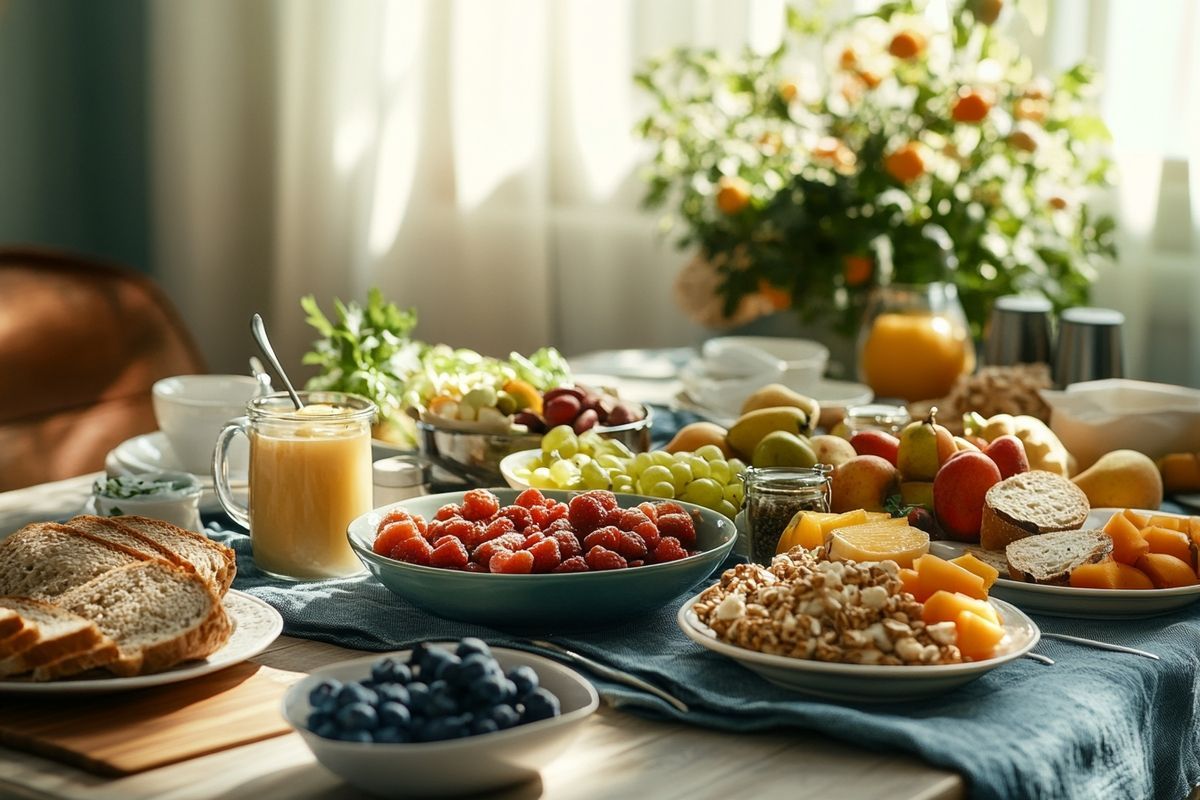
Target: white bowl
x=804, y=360
x=180, y=507
x=458, y=766
x=1097, y=417
x=192, y=409
x=515, y=461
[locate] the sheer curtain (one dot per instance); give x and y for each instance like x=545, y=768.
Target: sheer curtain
x=473, y=158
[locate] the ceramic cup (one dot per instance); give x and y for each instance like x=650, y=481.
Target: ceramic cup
x=192, y=409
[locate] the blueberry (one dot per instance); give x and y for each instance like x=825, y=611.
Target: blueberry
x=356, y=693
x=418, y=697
x=324, y=694
x=504, y=715
x=472, y=646
x=474, y=667
x=433, y=662
x=355, y=736
x=448, y=664
x=394, y=715
x=511, y=694
x=416, y=659
x=441, y=700
x=318, y=718
x=357, y=717
x=489, y=689
x=453, y=727
x=540, y=704
x=525, y=680
x=327, y=730
x=392, y=693
x=387, y=670
x=484, y=725
x=390, y=735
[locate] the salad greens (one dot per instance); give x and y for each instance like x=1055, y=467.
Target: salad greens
x=126, y=487
x=369, y=351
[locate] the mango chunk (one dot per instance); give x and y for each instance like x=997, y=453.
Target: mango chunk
x=1167, y=572
x=1139, y=520
x=937, y=574
x=1109, y=575
x=1170, y=523
x=804, y=530
x=1128, y=543
x=981, y=568
x=1170, y=542
x=910, y=582
x=977, y=636
x=943, y=606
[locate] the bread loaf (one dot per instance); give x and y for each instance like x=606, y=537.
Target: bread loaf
x=1028, y=504
x=1050, y=558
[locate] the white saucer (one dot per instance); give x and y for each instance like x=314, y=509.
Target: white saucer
x=828, y=392
x=151, y=452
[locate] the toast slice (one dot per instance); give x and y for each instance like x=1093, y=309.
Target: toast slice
x=157, y=614
x=61, y=634
x=10, y=622
x=1050, y=557
x=45, y=559
x=1029, y=504
x=214, y=562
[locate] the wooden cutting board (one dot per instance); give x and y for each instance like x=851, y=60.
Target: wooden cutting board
x=127, y=732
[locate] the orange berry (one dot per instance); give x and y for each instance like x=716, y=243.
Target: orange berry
x=779, y=299
x=871, y=79
x=986, y=12
x=907, y=45
x=857, y=269
x=1058, y=203
x=848, y=58
x=733, y=195
x=1023, y=140
x=1032, y=109
x=788, y=91
x=905, y=164
x=970, y=106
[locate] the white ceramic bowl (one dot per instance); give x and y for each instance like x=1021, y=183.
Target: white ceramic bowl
x=804, y=360
x=515, y=461
x=192, y=409
x=180, y=507
x=458, y=766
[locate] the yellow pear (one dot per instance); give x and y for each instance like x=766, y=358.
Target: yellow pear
x=693, y=436
x=1122, y=479
x=750, y=429
x=776, y=395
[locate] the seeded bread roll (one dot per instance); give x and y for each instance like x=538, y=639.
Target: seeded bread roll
x=1029, y=504
x=1051, y=557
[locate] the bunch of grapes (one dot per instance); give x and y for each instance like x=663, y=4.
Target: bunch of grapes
x=589, y=461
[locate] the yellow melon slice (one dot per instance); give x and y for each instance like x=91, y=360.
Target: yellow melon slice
x=878, y=541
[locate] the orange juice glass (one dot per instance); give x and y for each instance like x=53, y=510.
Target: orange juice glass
x=310, y=476
x=914, y=342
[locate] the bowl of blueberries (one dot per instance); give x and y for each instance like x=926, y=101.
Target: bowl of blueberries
x=440, y=719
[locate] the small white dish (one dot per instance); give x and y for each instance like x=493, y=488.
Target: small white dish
x=1068, y=601
x=804, y=360
x=192, y=409
x=861, y=683
x=255, y=625
x=455, y=767
x=179, y=505
x=151, y=452
x=521, y=459
x=833, y=395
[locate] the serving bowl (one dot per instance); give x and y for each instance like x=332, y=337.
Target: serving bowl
x=456, y=766
x=513, y=462
x=543, y=602
x=475, y=456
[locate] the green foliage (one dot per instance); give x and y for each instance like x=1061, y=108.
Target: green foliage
x=810, y=157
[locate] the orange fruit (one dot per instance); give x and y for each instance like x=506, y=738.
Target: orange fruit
x=857, y=270
x=869, y=78
x=986, y=12
x=848, y=58
x=788, y=91
x=915, y=356
x=1031, y=108
x=1058, y=203
x=906, y=163
x=970, y=106
x=778, y=298
x=1023, y=140
x=733, y=195
x=907, y=44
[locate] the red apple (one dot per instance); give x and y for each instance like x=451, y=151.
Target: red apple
x=876, y=443
x=958, y=492
x=1009, y=454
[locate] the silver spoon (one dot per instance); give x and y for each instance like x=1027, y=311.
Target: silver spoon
x=1099, y=645
x=1041, y=659
x=259, y=373
x=613, y=674
x=259, y=331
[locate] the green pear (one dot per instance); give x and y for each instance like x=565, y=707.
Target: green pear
x=783, y=449
x=917, y=458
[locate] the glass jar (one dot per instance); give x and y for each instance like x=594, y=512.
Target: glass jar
x=773, y=496
x=876, y=417
x=400, y=478
x=914, y=342
x=310, y=476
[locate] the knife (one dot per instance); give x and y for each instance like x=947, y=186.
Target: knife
x=613, y=674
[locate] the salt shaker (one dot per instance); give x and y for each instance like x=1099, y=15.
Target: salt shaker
x=400, y=478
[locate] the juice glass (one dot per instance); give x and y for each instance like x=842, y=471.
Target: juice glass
x=310, y=475
x=914, y=342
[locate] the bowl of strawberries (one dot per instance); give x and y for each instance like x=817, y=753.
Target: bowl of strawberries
x=541, y=559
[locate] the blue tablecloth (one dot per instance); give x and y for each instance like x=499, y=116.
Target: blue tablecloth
x=1094, y=725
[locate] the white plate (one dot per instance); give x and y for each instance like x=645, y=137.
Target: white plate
x=151, y=452
x=829, y=393
x=255, y=625
x=1067, y=601
x=861, y=683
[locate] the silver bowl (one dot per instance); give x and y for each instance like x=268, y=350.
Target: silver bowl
x=475, y=457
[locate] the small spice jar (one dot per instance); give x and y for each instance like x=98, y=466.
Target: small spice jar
x=876, y=417
x=773, y=496
x=399, y=478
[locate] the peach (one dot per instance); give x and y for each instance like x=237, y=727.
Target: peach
x=1173, y=543
x=876, y=443
x=863, y=482
x=1009, y=454
x=1167, y=572
x=958, y=492
x=1128, y=543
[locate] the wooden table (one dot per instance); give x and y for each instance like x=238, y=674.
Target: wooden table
x=617, y=754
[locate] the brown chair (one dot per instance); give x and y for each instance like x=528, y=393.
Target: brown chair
x=81, y=343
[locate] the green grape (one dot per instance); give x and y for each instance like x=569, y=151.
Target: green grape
x=662, y=458
x=681, y=475
x=562, y=439
x=540, y=479
x=615, y=448
x=609, y=461
x=735, y=493
x=563, y=472
x=719, y=471
x=727, y=508
x=641, y=462
x=580, y=459
x=736, y=466
x=591, y=442
x=705, y=492
x=594, y=476
x=575, y=483
x=710, y=452
x=700, y=468
x=624, y=484
x=662, y=489
x=655, y=473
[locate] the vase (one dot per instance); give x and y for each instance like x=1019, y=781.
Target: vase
x=914, y=341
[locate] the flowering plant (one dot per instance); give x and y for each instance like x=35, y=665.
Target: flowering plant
x=808, y=174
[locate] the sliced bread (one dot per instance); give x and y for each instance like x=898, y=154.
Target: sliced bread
x=19, y=640
x=157, y=614
x=994, y=558
x=112, y=530
x=1028, y=504
x=10, y=622
x=44, y=559
x=61, y=634
x=1050, y=557
x=214, y=562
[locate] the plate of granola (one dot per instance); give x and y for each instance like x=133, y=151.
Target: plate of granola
x=840, y=630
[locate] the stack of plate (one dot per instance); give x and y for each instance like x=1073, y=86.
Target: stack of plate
x=151, y=452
